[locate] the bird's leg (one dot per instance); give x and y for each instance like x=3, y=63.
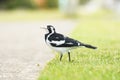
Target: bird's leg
x=69, y=56
x=61, y=55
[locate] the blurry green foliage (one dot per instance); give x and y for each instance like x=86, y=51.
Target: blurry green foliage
x=29, y=4
x=12, y=4
x=52, y=3
x=21, y=4
x=82, y=2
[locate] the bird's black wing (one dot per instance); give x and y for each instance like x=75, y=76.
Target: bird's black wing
x=59, y=40
x=68, y=42
x=56, y=37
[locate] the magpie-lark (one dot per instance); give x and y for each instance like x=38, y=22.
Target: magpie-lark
x=61, y=43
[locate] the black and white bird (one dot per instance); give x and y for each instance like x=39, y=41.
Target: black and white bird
x=61, y=43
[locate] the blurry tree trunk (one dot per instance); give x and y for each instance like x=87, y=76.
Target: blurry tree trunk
x=117, y=6
x=3, y=3
x=68, y=7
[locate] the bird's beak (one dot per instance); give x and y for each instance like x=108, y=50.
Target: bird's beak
x=42, y=28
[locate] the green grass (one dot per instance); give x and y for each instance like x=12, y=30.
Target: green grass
x=87, y=64
x=29, y=15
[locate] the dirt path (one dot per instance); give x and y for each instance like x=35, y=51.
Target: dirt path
x=23, y=52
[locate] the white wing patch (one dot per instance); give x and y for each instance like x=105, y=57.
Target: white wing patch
x=78, y=44
x=58, y=42
x=70, y=43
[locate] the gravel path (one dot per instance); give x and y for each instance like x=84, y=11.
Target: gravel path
x=23, y=52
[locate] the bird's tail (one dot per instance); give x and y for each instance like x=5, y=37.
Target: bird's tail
x=89, y=46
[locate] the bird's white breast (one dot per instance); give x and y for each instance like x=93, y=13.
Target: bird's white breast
x=58, y=49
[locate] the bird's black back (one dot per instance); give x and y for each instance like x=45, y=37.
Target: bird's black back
x=69, y=42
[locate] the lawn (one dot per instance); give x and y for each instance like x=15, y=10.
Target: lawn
x=88, y=64
x=29, y=15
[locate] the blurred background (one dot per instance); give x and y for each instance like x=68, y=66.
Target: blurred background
x=21, y=40
x=58, y=7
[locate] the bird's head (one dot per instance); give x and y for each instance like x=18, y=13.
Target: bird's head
x=50, y=29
